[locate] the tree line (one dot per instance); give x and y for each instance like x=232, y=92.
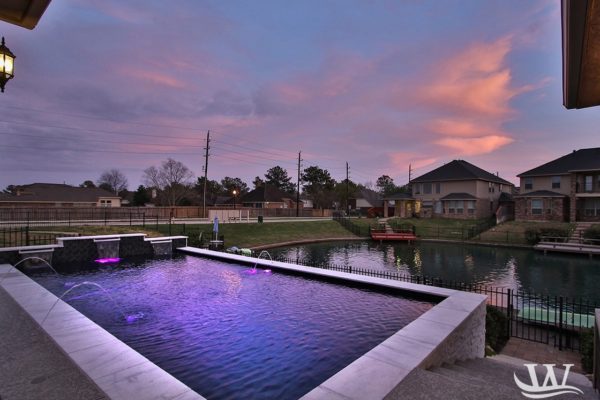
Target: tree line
x=173, y=184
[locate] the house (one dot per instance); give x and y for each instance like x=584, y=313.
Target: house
x=59, y=195
x=458, y=189
x=268, y=196
x=364, y=200
x=565, y=189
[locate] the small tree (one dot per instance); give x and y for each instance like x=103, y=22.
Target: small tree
x=173, y=179
x=88, y=184
x=278, y=177
x=385, y=185
x=229, y=184
x=141, y=196
x=113, y=179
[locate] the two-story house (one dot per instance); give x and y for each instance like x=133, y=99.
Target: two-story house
x=565, y=189
x=458, y=189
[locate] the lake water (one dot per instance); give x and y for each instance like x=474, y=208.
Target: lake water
x=553, y=274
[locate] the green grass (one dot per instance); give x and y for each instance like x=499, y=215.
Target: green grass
x=236, y=234
x=513, y=232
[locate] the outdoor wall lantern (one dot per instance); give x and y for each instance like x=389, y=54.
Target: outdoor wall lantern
x=7, y=65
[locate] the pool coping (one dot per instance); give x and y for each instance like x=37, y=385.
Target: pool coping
x=425, y=342
x=117, y=369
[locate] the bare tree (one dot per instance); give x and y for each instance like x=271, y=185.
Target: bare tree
x=113, y=180
x=173, y=179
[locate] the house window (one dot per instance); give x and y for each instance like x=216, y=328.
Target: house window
x=589, y=183
x=537, y=206
x=105, y=203
x=427, y=188
x=592, y=207
x=528, y=183
x=438, y=187
x=556, y=182
x=459, y=207
x=451, y=207
x=471, y=207
x=418, y=188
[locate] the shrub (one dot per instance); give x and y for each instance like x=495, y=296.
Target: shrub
x=587, y=350
x=534, y=235
x=496, y=328
x=593, y=232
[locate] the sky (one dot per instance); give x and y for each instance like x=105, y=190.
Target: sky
x=380, y=84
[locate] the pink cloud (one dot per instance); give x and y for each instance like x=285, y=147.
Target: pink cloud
x=474, y=146
x=155, y=77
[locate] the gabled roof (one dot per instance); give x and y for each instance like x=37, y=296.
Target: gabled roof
x=542, y=193
x=578, y=160
x=371, y=196
x=53, y=192
x=266, y=193
x=459, y=196
x=459, y=170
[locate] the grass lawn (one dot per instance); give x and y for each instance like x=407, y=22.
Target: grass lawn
x=236, y=234
x=514, y=231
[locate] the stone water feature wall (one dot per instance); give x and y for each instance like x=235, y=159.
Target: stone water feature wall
x=83, y=248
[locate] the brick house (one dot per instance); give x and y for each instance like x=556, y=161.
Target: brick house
x=565, y=189
x=59, y=195
x=268, y=196
x=458, y=189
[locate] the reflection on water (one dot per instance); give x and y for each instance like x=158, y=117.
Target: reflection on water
x=553, y=274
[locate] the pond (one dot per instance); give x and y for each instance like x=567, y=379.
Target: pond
x=553, y=274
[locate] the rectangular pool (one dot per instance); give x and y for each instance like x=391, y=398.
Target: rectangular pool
x=229, y=332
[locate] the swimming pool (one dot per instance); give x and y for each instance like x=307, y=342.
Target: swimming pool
x=229, y=333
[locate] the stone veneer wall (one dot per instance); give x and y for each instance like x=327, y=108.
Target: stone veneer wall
x=464, y=343
x=84, y=249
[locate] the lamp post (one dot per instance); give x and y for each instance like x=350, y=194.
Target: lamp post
x=234, y=197
x=7, y=65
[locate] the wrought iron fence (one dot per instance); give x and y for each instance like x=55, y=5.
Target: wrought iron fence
x=358, y=230
x=556, y=320
x=25, y=236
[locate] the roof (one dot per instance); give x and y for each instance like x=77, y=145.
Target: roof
x=25, y=13
x=504, y=197
x=266, y=193
x=542, y=193
x=54, y=192
x=580, y=49
x=399, y=196
x=578, y=160
x=371, y=196
x=459, y=196
x=459, y=170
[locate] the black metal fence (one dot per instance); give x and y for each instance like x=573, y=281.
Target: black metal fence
x=25, y=236
x=556, y=320
x=597, y=352
x=356, y=229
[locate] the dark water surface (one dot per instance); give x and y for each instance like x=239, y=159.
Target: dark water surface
x=229, y=334
x=553, y=274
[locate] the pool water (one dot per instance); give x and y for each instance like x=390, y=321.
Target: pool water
x=554, y=274
x=229, y=334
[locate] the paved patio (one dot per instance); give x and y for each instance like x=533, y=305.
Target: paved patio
x=541, y=353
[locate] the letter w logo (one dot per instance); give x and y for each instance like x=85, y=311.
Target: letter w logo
x=550, y=386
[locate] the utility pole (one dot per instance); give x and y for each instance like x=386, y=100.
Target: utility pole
x=205, y=172
x=347, y=190
x=298, y=189
x=409, y=172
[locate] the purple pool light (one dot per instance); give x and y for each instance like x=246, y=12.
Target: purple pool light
x=107, y=260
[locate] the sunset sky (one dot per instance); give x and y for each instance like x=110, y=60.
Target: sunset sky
x=380, y=84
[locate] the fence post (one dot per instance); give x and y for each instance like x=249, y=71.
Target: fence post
x=509, y=311
x=560, y=323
